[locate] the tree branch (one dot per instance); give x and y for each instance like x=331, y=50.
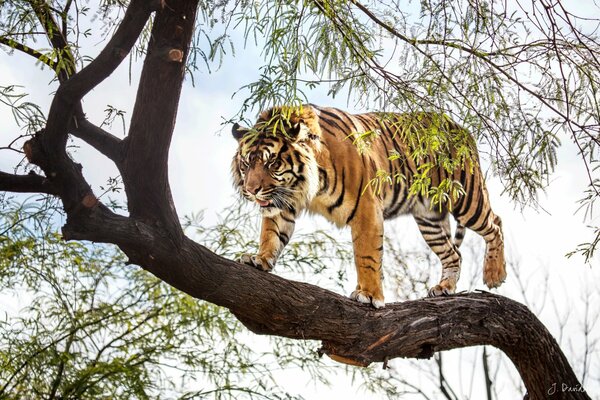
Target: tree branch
x=48, y=148
x=28, y=50
x=98, y=138
x=66, y=61
x=145, y=166
x=350, y=332
x=31, y=183
x=486, y=57
x=265, y=303
x=72, y=91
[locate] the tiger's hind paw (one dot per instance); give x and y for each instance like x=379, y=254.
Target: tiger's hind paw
x=362, y=296
x=494, y=272
x=256, y=261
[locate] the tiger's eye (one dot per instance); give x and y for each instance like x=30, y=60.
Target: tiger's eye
x=275, y=164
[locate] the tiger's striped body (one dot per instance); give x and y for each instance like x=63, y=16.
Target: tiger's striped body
x=314, y=166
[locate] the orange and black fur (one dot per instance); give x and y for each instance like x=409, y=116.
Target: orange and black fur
x=309, y=163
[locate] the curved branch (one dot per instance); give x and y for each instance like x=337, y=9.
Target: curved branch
x=265, y=303
x=351, y=332
x=72, y=90
x=48, y=148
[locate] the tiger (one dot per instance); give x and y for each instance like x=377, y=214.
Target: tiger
x=297, y=159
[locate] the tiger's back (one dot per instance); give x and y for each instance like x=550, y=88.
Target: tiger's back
x=358, y=170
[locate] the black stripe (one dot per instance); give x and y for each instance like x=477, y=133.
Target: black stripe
x=335, y=179
x=447, y=256
x=350, y=121
x=369, y=267
x=483, y=221
x=284, y=238
x=340, y=198
x=488, y=231
x=333, y=119
x=364, y=120
x=477, y=214
x=430, y=230
x=427, y=223
x=384, y=141
x=395, y=185
x=288, y=220
x=358, y=196
x=390, y=169
x=468, y=198
x=371, y=258
x=438, y=242
x=323, y=180
x=329, y=113
x=396, y=208
x=334, y=124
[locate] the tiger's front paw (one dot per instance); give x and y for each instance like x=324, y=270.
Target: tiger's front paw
x=258, y=262
x=445, y=288
x=362, y=296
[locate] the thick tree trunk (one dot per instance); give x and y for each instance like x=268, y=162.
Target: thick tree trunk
x=152, y=237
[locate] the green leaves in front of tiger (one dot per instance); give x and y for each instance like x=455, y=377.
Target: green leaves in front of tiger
x=429, y=142
x=363, y=140
x=278, y=123
x=433, y=137
x=441, y=196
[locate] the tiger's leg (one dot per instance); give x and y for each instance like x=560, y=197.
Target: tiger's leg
x=367, y=241
x=435, y=229
x=489, y=226
x=476, y=214
x=275, y=233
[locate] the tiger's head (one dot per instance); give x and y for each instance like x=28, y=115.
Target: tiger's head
x=275, y=165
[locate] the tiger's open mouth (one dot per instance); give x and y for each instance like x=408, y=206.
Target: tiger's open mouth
x=263, y=203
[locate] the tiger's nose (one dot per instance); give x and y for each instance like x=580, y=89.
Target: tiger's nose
x=253, y=181
x=254, y=189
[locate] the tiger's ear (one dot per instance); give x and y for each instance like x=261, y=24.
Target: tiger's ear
x=300, y=132
x=238, y=132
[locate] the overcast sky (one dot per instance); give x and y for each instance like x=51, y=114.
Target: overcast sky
x=202, y=149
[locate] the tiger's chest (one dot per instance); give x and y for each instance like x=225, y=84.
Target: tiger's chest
x=324, y=204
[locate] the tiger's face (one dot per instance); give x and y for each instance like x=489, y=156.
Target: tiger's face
x=278, y=171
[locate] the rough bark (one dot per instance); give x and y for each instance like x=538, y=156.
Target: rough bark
x=267, y=304
x=145, y=167
x=351, y=332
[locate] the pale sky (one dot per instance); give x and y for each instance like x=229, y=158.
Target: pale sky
x=200, y=159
